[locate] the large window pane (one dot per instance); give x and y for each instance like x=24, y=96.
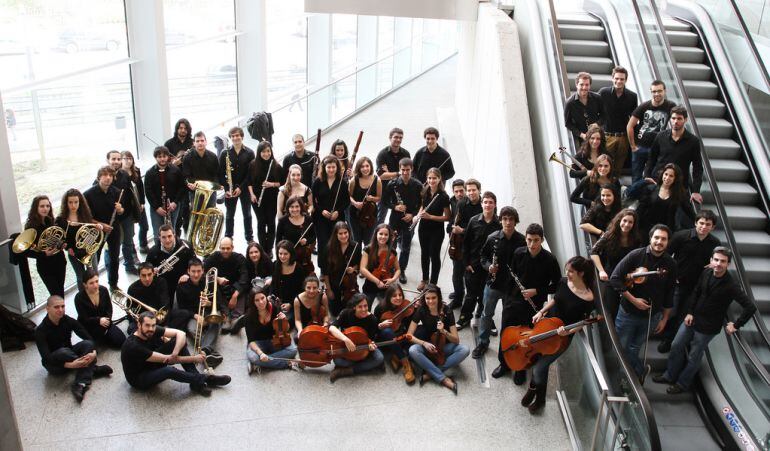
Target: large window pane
x=188, y=20
x=384, y=50
x=286, y=52
x=344, y=34
x=44, y=39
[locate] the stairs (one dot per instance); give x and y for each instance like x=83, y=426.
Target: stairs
x=586, y=49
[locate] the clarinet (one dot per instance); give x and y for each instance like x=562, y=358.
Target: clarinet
x=262, y=194
x=115, y=211
x=493, y=277
x=164, y=201
x=521, y=288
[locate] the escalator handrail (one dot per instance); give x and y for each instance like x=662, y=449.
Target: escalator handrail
x=752, y=168
x=635, y=386
x=752, y=45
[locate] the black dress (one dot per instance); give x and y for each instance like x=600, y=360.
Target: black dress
x=52, y=269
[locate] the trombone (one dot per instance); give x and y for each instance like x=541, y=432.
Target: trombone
x=134, y=307
x=563, y=151
x=209, y=293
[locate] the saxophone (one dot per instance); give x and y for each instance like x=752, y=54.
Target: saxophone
x=228, y=173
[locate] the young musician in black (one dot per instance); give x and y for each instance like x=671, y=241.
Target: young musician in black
x=379, y=263
x=388, y=166
x=153, y=292
x=395, y=303
x=258, y=264
x=343, y=257
x=432, y=156
x=124, y=220
x=94, y=309
x=296, y=227
x=189, y=297
x=51, y=264
x=240, y=158
x=74, y=211
x=232, y=278
x=148, y=360
x=539, y=272
x=498, y=249
x=200, y=165
x=182, y=139
x=434, y=211
x=288, y=277
x=260, y=350
x=137, y=214
x=102, y=200
x=306, y=159
x=331, y=201
x=356, y=314
x=53, y=337
x=311, y=306
x=403, y=196
x=365, y=190
x=458, y=199
x=170, y=269
x=265, y=177
x=165, y=189
x=479, y=228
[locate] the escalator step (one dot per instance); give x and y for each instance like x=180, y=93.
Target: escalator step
x=694, y=71
x=573, y=47
x=703, y=108
x=577, y=19
x=710, y=127
x=757, y=269
x=682, y=38
x=721, y=148
x=743, y=217
x=729, y=170
x=700, y=89
x=688, y=54
x=733, y=193
x=762, y=297
x=582, y=32
x=594, y=65
x=674, y=25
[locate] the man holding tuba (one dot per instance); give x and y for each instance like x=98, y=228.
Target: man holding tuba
x=151, y=291
x=190, y=300
x=200, y=166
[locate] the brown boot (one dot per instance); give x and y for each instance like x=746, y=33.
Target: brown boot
x=339, y=372
x=395, y=363
x=408, y=373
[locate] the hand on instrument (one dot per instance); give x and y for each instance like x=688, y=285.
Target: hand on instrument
x=183, y=278
x=730, y=328
x=493, y=269
x=661, y=325
x=200, y=358
x=49, y=252
x=356, y=204
x=696, y=197
x=106, y=228
x=429, y=347
x=326, y=214
x=104, y=322
x=529, y=293
x=641, y=304
x=372, y=346
x=171, y=206
x=350, y=345
x=537, y=317
x=457, y=230
x=334, y=215
x=385, y=324
x=280, y=315
x=350, y=270
x=401, y=208
x=160, y=211
x=303, y=242
x=562, y=331
x=408, y=217
x=236, y=192
x=440, y=326
x=469, y=269
x=603, y=276
x=119, y=208
x=381, y=284
x=688, y=320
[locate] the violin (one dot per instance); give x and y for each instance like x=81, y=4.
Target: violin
x=316, y=344
x=405, y=312
x=281, y=337
x=438, y=340
x=349, y=285
x=367, y=215
x=639, y=276
x=523, y=345
x=387, y=267
x=303, y=255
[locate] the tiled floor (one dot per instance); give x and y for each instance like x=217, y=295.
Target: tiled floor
x=278, y=410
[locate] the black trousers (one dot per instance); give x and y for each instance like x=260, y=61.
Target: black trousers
x=323, y=231
x=112, y=241
x=52, y=270
x=430, y=250
x=159, y=372
x=474, y=295
x=458, y=280
x=230, y=206
x=64, y=355
x=266, y=214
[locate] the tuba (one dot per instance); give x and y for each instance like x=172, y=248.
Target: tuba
x=205, y=223
x=133, y=306
x=89, y=239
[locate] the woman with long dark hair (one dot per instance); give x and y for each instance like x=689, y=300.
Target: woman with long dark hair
x=260, y=350
x=74, y=211
x=432, y=215
x=659, y=206
x=588, y=189
x=51, y=264
x=356, y=314
x=94, y=309
x=259, y=179
x=311, y=306
x=339, y=150
x=593, y=146
x=379, y=263
x=572, y=302
x=287, y=277
x=602, y=211
x=395, y=303
x=331, y=201
x=343, y=257
x=362, y=191
x=258, y=263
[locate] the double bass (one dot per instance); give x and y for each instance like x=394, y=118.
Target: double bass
x=316, y=344
x=523, y=345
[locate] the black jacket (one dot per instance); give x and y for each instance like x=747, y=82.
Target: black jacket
x=709, y=306
x=175, y=186
x=239, y=165
x=260, y=126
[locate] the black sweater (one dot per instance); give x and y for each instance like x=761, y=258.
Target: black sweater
x=89, y=314
x=49, y=337
x=710, y=300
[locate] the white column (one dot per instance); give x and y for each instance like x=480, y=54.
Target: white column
x=149, y=76
x=251, y=55
x=319, y=70
x=366, y=53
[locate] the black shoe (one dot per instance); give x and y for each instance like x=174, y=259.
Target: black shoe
x=661, y=379
x=454, y=388
x=78, y=391
x=664, y=346
x=144, y=249
x=237, y=325
x=214, y=360
x=530, y=395
x=462, y=323
x=132, y=270
x=102, y=370
x=113, y=287
x=479, y=351
x=216, y=380
x=451, y=296
x=519, y=377
x=675, y=389
x=201, y=389
x=493, y=331
x=402, y=278
x=455, y=304
x=500, y=371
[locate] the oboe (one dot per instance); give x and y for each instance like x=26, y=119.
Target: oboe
x=164, y=201
x=262, y=194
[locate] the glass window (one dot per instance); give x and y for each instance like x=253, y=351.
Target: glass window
x=286, y=53
x=384, y=54
x=344, y=39
x=193, y=20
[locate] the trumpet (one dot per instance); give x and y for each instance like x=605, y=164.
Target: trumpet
x=556, y=159
x=134, y=307
x=169, y=263
x=563, y=151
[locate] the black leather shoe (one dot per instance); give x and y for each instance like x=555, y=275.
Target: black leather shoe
x=214, y=360
x=500, y=371
x=664, y=346
x=102, y=370
x=661, y=379
x=479, y=351
x=201, y=389
x=462, y=323
x=78, y=391
x=402, y=278
x=519, y=377
x=675, y=389
x=216, y=380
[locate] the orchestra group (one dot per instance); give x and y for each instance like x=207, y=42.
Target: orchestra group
x=324, y=281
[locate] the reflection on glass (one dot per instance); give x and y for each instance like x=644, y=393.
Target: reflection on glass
x=286, y=51
x=344, y=39
x=191, y=20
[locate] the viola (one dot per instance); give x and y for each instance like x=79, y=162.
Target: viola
x=523, y=345
x=303, y=255
x=639, y=276
x=405, y=312
x=349, y=285
x=316, y=344
x=367, y=215
x=281, y=337
x=439, y=341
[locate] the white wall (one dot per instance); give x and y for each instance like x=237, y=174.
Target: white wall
x=492, y=107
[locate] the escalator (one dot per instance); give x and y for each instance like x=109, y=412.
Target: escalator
x=586, y=49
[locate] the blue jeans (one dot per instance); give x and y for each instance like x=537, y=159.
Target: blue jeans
x=682, y=367
x=157, y=221
x=491, y=296
x=267, y=347
x=373, y=360
x=455, y=353
x=632, y=331
x=388, y=334
x=540, y=368
x=405, y=245
x=638, y=161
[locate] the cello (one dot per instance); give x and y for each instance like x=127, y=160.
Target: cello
x=523, y=345
x=316, y=344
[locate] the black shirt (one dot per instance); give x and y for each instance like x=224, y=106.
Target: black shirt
x=335, y=273
x=577, y=117
x=586, y=192
x=331, y=199
x=440, y=203
x=617, y=110
x=102, y=203
x=172, y=181
x=307, y=163
x=427, y=323
x=462, y=212
x=599, y=216
x=135, y=352
x=569, y=307
x=255, y=330
x=49, y=337
x=288, y=231
x=255, y=179
x=691, y=255
x=386, y=157
x=683, y=153
x=498, y=245
x=710, y=300
x=287, y=286
x=232, y=268
x=610, y=257
x=475, y=237
x=657, y=290
x=348, y=318
x=90, y=314
x=239, y=165
x=195, y=167
x=540, y=272
x=653, y=209
x=174, y=145
x=188, y=296
x=410, y=194
x=652, y=120
x=439, y=158
x=157, y=255
x=155, y=296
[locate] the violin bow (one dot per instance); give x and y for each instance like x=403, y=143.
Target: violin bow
x=352, y=254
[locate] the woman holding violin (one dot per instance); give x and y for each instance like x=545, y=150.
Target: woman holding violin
x=267, y=332
x=51, y=264
x=621, y=237
x=311, y=306
x=436, y=344
x=355, y=315
x=394, y=315
x=572, y=302
x=379, y=263
x=298, y=228
x=365, y=190
x=287, y=278
x=339, y=269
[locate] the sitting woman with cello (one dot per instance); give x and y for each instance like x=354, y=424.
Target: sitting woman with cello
x=379, y=263
x=287, y=277
x=339, y=269
x=311, y=306
x=355, y=315
x=436, y=345
x=267, y=332
x=394, y=314
x=297, y=228
x=571, y=304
